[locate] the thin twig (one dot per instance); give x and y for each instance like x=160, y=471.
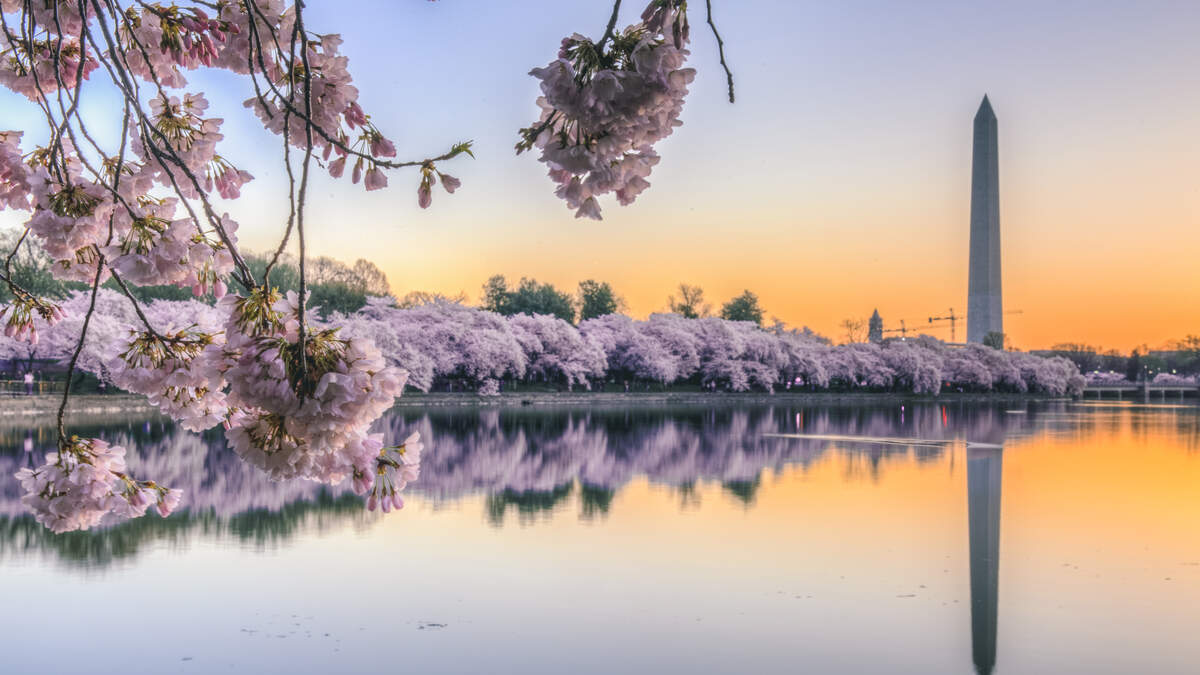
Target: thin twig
x=612, y=26
x=87, y=319
x=720, y=49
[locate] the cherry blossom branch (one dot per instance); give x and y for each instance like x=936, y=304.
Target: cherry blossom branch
x=87, y=319
x=612, y=25
x=455, y=150
x=291, y=221
x=298, y=30
x=148, y=130
x=720, y=49
x=247, y=279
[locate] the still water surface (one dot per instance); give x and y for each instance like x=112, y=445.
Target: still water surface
x=957, y=538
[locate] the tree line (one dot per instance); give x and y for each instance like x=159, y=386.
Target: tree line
x=595, y=299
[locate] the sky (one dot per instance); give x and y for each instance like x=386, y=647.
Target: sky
x=837, y=184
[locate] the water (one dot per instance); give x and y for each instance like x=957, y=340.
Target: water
x=1040, y=538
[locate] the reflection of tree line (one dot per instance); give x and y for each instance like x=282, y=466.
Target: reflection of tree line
x=21, y=535
x=214, y=480
x=525, y=462
x=523, y=458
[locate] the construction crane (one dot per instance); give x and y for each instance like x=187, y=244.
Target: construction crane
x=955, y=318
x=902, y=330
x=952, y=318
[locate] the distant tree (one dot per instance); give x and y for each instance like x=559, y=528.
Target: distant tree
x=690, y=303
x=31, y=269
x=337, y=296
x=597, y=299
x=533, y=297
x=334, y=285
x=875, y=328
x=743, y=308
x=853, y=330
x=1085, y=357
x=1133, y=370
x=994, y=339
x=149, y=293
x=530, y=297
x=495, y=294
x=1112, y=361
x=419, y=298
x=284, y=275
x=1189, y=354
x=374, y=281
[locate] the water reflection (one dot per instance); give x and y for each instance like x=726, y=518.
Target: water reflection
x=794, y=497
x=985, y=466
x=530, y=464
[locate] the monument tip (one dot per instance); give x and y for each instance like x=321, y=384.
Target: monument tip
x=985, y=108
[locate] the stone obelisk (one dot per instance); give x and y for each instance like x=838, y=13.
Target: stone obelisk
x=985, y=313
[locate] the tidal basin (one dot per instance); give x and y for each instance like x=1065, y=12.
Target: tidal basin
x=926, y=537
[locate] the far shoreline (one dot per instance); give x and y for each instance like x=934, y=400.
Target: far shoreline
x=586, y=398
x=40, y=405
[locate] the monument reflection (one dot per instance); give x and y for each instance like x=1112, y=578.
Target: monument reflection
x=985, y=466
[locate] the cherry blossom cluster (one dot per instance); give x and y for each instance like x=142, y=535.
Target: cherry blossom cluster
x=46, y=14
x=173, y=371
x=14, y=183
x=1109, y=377
x=1172, y=379
x=25, y=71
x=168, y=38
x=605, y=105
x=151, y=246
x=19, y=316
x=394, y=468
x=304, y=404
x=70, y=217
x=85, y=482
x=193, y=139
x=430, y=176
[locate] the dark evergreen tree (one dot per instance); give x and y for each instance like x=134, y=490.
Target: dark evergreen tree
x=743, y=308
x=1133, y=370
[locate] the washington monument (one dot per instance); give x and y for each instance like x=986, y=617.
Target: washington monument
x=985, y=310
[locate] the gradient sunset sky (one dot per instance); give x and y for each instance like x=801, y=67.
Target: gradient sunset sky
x=837, y=184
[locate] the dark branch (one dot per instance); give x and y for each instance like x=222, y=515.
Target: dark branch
x=720, y=49
x=612, y=26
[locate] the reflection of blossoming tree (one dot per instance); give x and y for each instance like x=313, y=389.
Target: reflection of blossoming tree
x=296, y=399
x=533, y=463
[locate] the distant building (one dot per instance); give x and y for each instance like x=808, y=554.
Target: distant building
x=875, y=328
x=985, y=308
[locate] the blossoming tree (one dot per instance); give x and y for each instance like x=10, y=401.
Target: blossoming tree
x=296, y=400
